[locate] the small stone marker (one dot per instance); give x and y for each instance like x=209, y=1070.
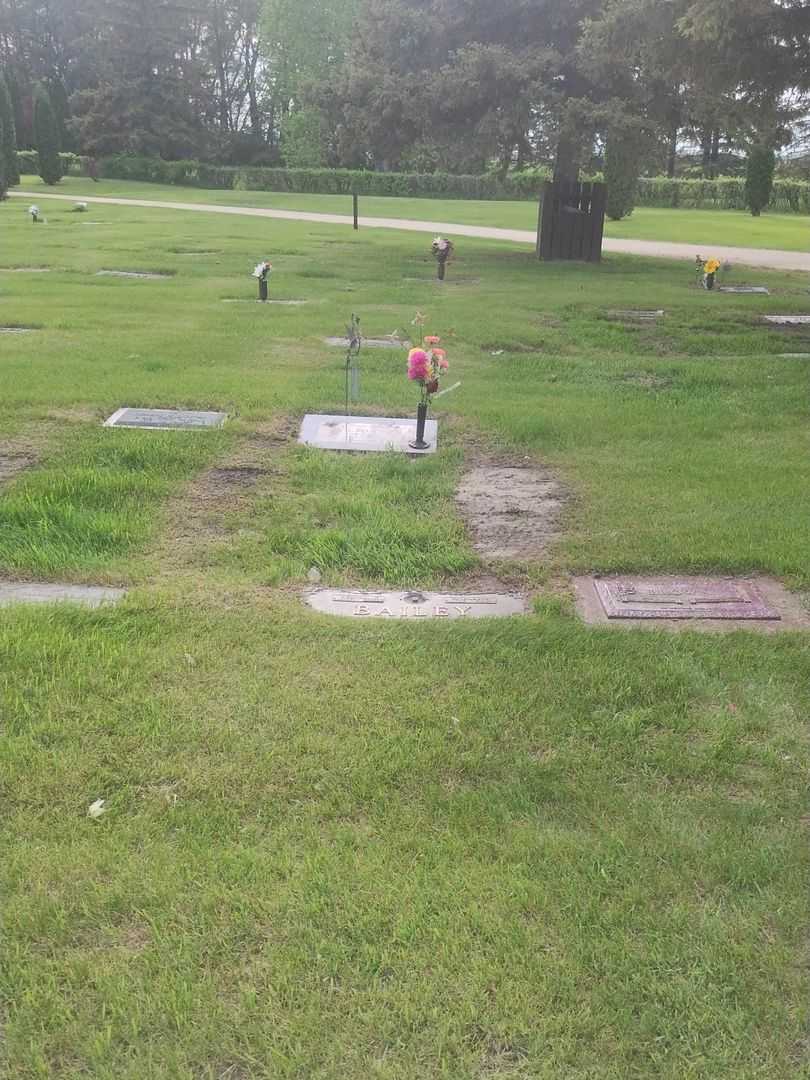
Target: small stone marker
x=369, y=343
x=32, y=593
x=25, y=269
x=133, y=273
x=414, y=605
x=681, y=598
x=638, y=316
x=787, y=320
x=16, y=329
x=745, y=289
x=365, y=433
x=794, y=355
x=165, y=419
x=283, y=303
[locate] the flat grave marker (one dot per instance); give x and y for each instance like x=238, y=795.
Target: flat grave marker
x=283, y=303
x=26, y=592
x=637, y=316
x=629, y=597
x=147, y=274
x=744, y=289
x=365, y=433
x=787, y=320
x=369, y=343
x=165, y=419
x=25, y=269
x=415, y=604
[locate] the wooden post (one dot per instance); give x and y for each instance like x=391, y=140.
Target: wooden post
x=354, y=209
x=539, y=226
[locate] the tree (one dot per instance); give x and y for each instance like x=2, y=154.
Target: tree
x=3, y=181
x=47, y=137
x=621, y=172
x=8, y=142
x=759, y=169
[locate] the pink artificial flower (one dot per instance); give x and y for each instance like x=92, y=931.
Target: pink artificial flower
x=432, y=340
x=418, y=364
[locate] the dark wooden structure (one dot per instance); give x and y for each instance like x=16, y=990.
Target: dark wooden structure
x=572, y=220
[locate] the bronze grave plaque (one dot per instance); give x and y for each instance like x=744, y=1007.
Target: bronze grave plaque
x=681, y=598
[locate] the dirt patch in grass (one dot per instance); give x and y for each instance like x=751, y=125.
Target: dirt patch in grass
x=512, y=511
x=646, y=380
x=23, y=451
x=197, y=516
x=11, y=464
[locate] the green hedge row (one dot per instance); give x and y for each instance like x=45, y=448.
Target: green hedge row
x=726, y=193
x=323, y=181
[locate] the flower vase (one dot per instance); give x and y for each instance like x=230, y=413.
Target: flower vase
x=710, y=281
x=421, y=418
x=440, y=269
x=263, y=290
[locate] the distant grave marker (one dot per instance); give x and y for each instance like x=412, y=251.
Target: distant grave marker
x=149, y=275
x=637, y=316
x=283, y=303
x=25, y=269
x=745, y=289
x=50, y=593
x=681, y=598
x=374, y=434
x=17, y=329
x=359, y=604
x=787, y=320
x=165, y=419
x=370, y=343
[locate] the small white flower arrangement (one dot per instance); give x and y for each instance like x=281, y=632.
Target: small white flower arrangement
x=80, y=208
x=263, y=270
x=33, y=210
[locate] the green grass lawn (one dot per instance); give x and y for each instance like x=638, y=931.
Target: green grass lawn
x=519, y=848
x=788, y=232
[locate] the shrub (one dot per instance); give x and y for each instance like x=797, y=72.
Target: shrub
x=3, y=181
x=759, y=168
x=621, y=174
x=46, y=135
x=8, y=142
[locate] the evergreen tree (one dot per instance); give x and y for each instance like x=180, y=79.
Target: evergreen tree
x=759, y=178
x=47, y=137
x=8, y=142
x=3, y=181
x=621, y=173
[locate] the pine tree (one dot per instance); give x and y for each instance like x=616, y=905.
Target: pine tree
x=759, y=168
x=47, y=137
x=8, y=143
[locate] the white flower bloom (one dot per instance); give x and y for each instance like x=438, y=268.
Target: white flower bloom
x=96, y=809
x=262, y=268
x=33, y=210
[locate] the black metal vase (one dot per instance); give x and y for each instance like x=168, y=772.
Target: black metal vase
x=421, y=418
x=710, y=281
x=440, y=269
x=263, y=290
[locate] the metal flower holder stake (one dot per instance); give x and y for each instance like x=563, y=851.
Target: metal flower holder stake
x=355, y=341
x=262, y=272
x=426, y=366
x=442, y=252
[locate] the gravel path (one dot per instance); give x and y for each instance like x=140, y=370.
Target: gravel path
x=764, y=257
